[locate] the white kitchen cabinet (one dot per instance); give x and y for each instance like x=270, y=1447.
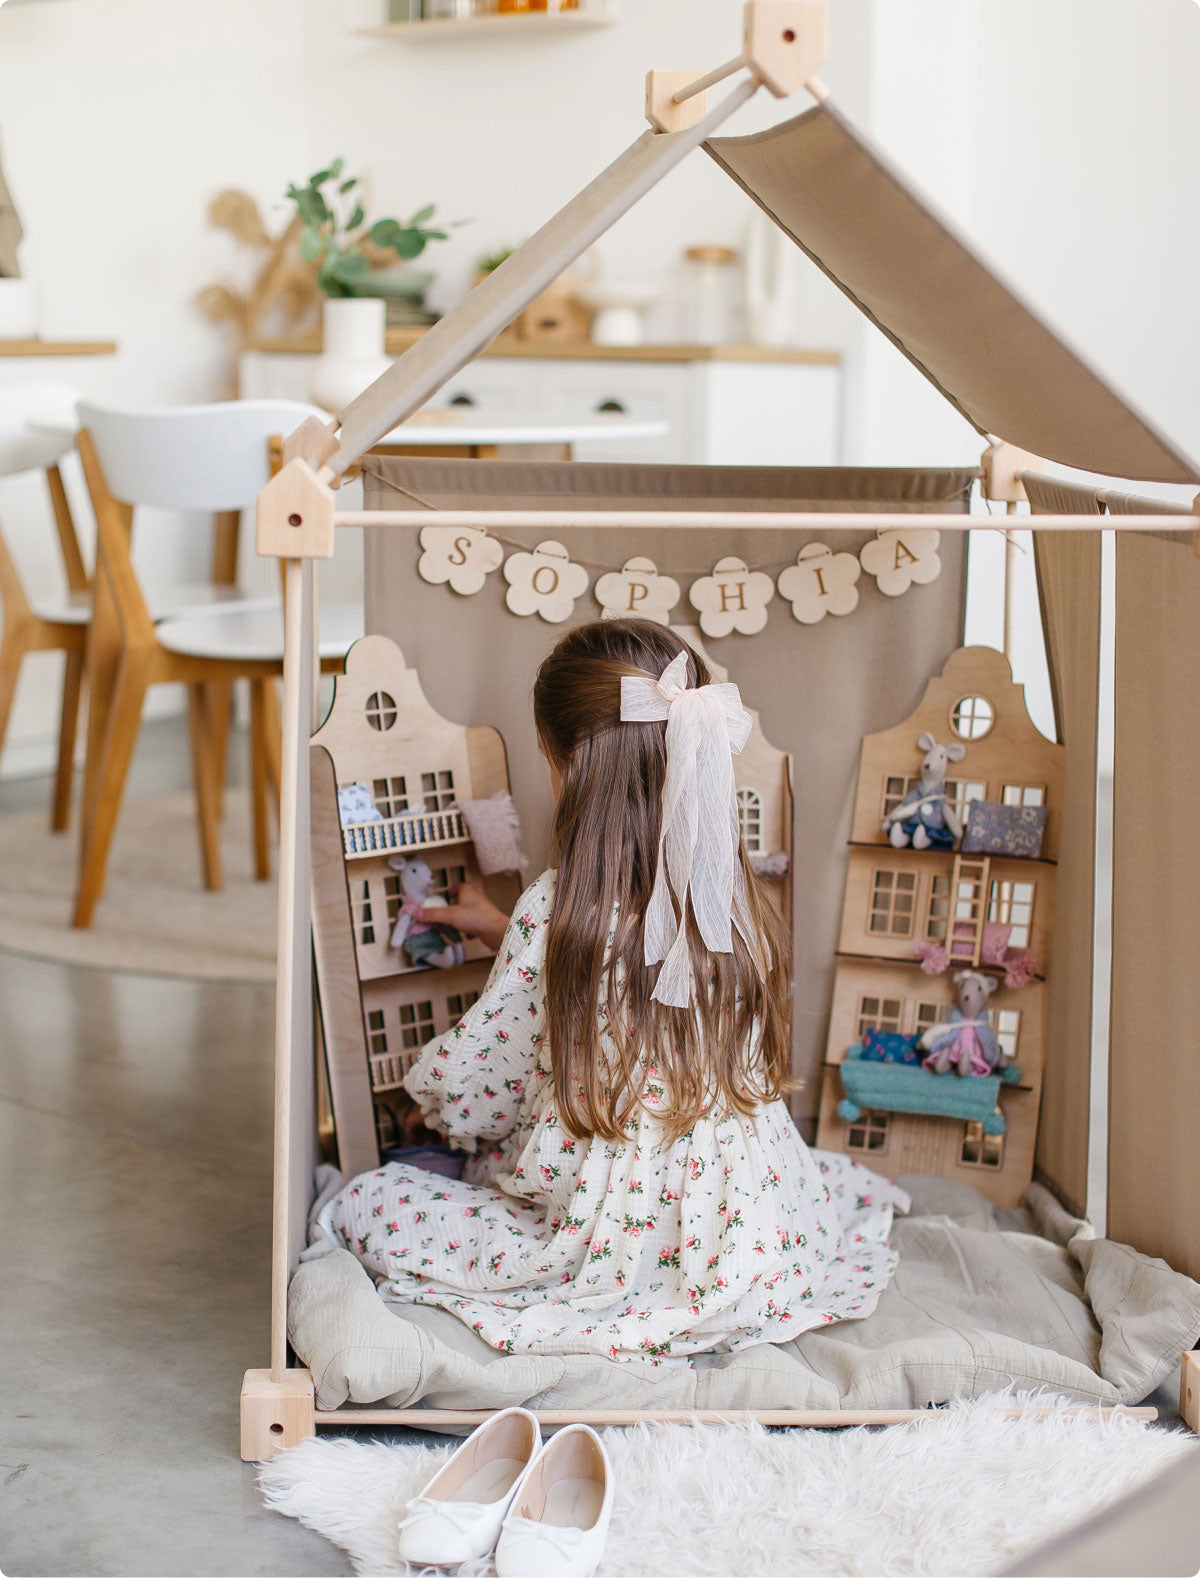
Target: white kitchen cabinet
x=721, y=409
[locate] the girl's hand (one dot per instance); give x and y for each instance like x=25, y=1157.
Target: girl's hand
x=472, y=913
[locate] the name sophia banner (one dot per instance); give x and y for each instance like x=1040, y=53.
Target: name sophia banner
x=732, y=598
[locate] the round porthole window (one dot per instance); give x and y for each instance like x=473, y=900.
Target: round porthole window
x=972, y=717
x=381, y=710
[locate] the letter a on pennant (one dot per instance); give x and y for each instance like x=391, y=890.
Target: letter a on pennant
x=902, y=558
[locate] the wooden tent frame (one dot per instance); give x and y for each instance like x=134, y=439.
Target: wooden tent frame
x=784, y=45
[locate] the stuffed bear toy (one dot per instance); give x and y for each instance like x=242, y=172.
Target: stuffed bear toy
x=966, y=1041
x=926, y=817
x=438, y=946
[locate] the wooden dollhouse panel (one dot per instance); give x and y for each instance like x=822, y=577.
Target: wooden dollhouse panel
x=972, y=701
x=898, y=897
x=896, y=1143
x=402, y=1014
x=376, y=896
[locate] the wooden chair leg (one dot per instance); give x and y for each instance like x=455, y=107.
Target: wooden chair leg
x=60, y=810
x=204, y=776
x=120, y=736
x=12, y=654
x=220, y=704
x=272, y=736
x=258, y=779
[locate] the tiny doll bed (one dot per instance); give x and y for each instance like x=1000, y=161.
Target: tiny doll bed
x=982, y=1299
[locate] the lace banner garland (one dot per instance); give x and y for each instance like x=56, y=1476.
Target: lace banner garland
x=733, y=598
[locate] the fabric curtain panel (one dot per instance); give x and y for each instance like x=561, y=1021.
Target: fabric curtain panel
x=818, y=688
x=1068, y=572
x=910, y=270
x=1154, y=1069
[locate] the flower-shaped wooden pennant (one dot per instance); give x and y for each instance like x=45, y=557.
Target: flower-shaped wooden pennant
x=820, y=582
x=544, y=582
x=901, y=558
x=463, y=555
x=637, y=589
x=732, y=598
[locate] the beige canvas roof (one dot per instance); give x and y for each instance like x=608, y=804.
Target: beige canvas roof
x=999, y=362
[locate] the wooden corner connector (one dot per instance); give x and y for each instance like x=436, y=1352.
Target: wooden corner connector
x=785, y=42
x=295, y=515
x=313, y=441
x=1189, y=1391
x=275, y=1414
x=1001, y=465
x=661, y=110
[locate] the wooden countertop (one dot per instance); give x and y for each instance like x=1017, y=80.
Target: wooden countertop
x=57, y=347
x=399, y=340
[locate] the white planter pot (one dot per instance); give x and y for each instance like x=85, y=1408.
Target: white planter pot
x=353, y=355
x=18, y=310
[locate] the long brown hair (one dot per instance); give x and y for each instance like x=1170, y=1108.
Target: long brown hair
x=726, y=1053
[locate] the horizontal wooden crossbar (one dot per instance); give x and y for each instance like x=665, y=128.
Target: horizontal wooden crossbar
x=759, y=520
x=810, y=1419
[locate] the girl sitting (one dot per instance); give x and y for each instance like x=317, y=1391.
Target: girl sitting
x=637, y=1185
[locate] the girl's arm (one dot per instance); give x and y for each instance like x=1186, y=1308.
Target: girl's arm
x=472, y=1083
x=473, y=914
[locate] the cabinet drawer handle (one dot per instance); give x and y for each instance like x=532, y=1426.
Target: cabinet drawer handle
x=611, y=408
x=463, y=399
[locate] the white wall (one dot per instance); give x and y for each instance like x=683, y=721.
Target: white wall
x=1064, y=133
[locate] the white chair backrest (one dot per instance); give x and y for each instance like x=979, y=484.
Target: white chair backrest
x=37, y=425
x=197, y=457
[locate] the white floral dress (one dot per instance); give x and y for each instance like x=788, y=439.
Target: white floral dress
x=734, y=1234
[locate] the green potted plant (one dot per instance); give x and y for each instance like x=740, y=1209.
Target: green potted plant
x=348, y=251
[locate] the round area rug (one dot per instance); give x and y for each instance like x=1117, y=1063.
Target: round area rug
x=155, y=917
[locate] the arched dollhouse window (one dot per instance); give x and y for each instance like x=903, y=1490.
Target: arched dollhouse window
x=381, y=710
x=750, y=817
x=971, y=717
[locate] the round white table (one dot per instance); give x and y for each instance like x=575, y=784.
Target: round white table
x=479, y=438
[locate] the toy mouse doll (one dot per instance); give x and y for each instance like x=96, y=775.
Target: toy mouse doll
x=438, y=946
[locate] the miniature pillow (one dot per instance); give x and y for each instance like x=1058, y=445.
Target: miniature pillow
x=888, y=1046
x=994, y=944
x=355, y=805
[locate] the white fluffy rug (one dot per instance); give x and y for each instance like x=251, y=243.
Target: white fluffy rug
x=964, y=1491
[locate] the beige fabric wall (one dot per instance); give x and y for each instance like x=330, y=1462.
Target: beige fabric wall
x=1068, y=569
x=1154, y=1069
x=818, y=688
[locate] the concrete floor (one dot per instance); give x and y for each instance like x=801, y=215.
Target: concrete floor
x=135, y=1148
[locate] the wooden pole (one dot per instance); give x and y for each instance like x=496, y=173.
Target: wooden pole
x=734, y=520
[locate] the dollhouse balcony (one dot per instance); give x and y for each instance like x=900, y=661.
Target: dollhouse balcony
x=895, y=1087
x=419, y=831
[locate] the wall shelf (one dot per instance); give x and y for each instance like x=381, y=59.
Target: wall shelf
x=515, y=24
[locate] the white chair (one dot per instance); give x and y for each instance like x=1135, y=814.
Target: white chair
x=204, y=458
x=37, y=429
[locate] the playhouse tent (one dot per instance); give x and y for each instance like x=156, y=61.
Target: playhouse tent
x=1016, y=379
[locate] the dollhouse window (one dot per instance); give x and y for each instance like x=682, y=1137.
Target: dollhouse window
x=438, y=790
x=1023, y=794
x=869, y=1133
x=416, y=1024
x=971, y=717
x=980, y=1149
x=931, y=1014
x=879, y=1013
x=364, y=923
x=377, y=1032
x=749, y=803
x=893, y=903
x=894, y=790
x=381, y=710
x=1008, y=1028
x=458, y=1003
x=1012, y=903
x=446, y=879
x=393, y=895
x=937, y=917
x=390, y=796
x=962, y=793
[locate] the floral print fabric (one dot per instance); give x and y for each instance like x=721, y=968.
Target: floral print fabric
x=734, y=1234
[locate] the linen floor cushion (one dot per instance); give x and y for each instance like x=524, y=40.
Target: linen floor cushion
x=981, y=1299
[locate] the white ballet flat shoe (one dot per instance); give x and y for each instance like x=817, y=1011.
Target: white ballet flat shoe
x=459, y=1514
x=558, y=1521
